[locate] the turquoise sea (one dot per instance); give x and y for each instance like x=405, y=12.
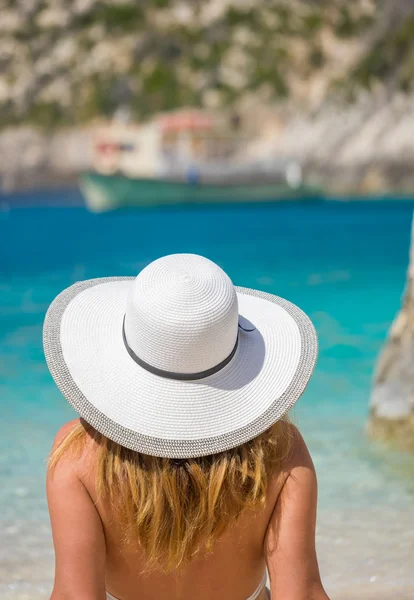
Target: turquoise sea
x=343, y=262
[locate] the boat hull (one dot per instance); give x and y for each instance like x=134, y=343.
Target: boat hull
x=108, y=192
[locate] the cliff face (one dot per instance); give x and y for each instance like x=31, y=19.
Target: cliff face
x=63, y=62
x=392, y=402
x=328, y=82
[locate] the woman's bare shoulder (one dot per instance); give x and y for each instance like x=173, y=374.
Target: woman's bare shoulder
x=64, y=431
x=72, y=450
x=299, y=455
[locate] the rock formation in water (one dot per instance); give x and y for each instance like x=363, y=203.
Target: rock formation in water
x=392, y=402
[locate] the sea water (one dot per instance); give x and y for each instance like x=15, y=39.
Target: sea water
x=343, y=263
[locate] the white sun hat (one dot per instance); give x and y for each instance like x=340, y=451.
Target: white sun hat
x=178, y=362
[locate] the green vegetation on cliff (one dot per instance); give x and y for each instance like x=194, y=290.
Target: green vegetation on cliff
x=65, y=62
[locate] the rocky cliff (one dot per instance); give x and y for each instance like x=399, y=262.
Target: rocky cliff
x=392, y=403
x=329, y=82
x=66, y=61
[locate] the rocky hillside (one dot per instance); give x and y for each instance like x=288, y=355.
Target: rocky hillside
x=62, y=62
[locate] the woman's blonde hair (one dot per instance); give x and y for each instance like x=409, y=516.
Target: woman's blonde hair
x=175, y=508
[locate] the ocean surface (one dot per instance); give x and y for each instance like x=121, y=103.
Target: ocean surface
x=343, y=262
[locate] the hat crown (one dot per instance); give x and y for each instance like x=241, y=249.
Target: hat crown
x=182, y=314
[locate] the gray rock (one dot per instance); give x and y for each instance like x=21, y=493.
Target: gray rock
x=392, y=401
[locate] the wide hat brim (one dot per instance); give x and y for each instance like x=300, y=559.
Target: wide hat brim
x=155, y=415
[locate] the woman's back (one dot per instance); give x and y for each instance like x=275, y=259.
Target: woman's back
x=234, y=569
x=90, y=543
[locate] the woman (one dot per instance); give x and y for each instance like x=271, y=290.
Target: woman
x=183, y=478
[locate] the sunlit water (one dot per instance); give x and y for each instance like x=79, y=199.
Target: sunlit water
x=343, y=263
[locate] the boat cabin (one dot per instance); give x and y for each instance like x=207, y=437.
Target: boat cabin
x=172, y=143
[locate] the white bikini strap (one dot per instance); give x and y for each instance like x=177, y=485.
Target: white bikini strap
x=259, y=589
